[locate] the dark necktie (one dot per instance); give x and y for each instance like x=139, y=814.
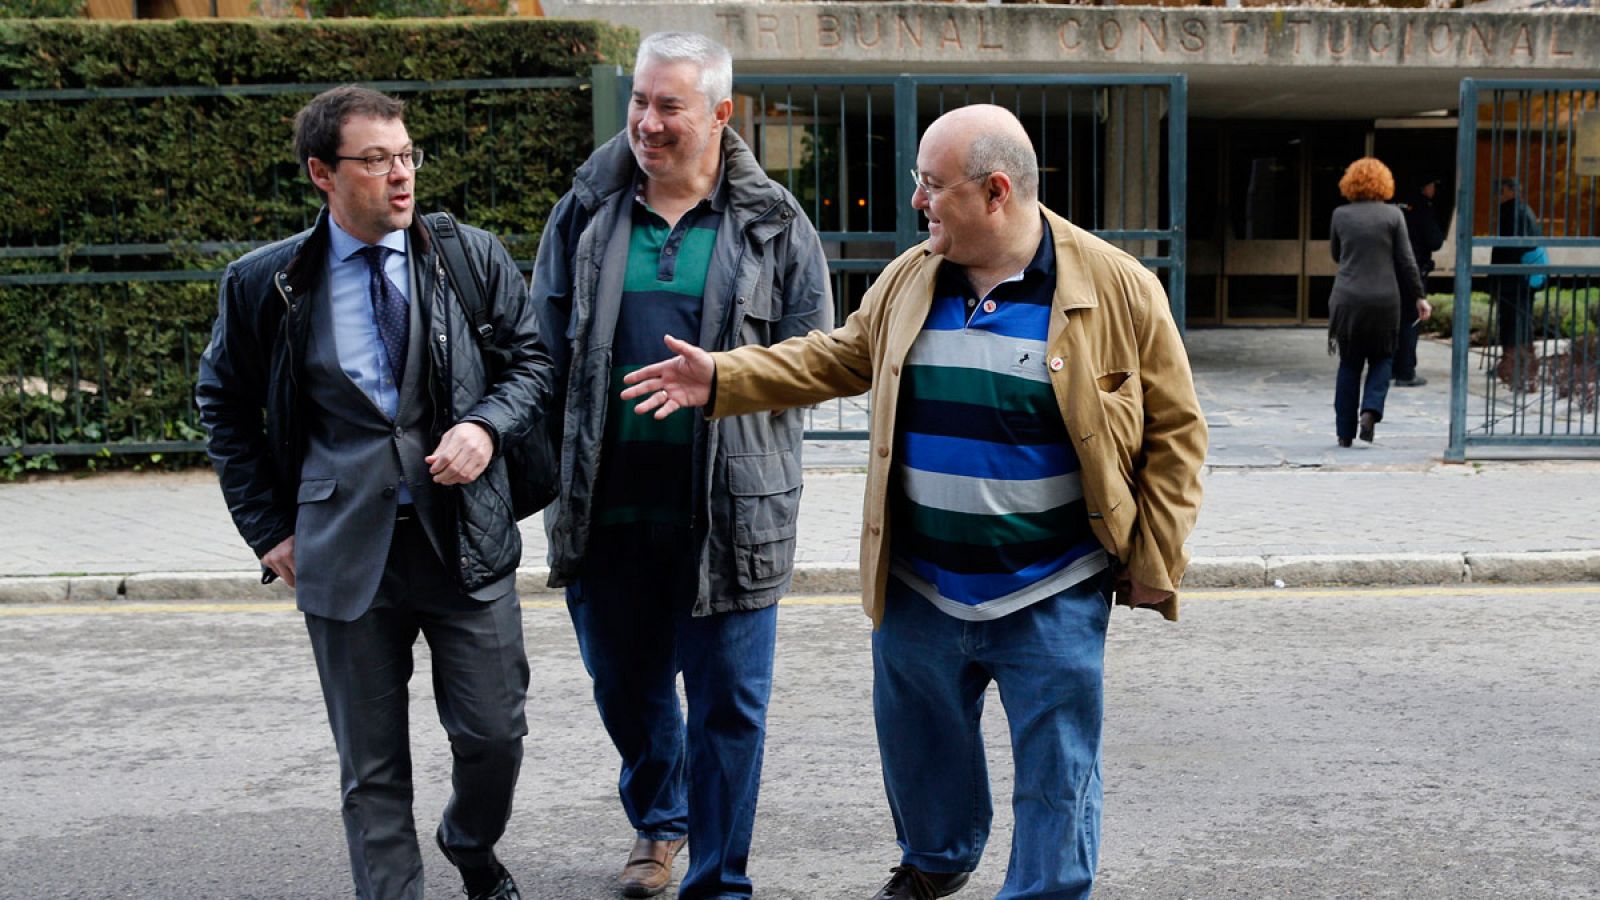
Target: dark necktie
x=390, y=311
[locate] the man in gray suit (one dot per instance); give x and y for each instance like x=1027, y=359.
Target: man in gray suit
x=357, y=429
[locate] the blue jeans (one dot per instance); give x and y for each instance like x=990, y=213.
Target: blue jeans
x=632, y=609
x=1349, y=391
x=930, y=671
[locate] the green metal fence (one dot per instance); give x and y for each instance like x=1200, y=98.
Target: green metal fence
x=1112, y=153
x=1527, y=356
x=92, y=379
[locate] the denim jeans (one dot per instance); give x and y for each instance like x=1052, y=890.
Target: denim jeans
x=631, y=610
x=1351, y=397
x=930, y=671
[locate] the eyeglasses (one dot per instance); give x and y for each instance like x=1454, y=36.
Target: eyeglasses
x=922, y=184
x=383, y=163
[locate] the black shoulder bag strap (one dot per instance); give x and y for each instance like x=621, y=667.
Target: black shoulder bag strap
x=470, y=292
x=530, y=464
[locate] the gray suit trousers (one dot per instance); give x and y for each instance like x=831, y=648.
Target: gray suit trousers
x=480, y=680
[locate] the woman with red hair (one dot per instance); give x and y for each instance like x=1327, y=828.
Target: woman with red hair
x=1377, y=274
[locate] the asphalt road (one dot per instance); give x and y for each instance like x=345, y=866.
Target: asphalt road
x=1413, y=743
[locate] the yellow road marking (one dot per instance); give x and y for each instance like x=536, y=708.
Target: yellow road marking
x=254, y=606
x=95, y=609
x=1441, y=590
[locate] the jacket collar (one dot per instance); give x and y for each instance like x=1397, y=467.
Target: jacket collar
x=1074, y=290
x=306, y=267
x=748, y=192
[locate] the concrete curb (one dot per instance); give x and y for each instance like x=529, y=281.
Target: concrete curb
x=1565, y=565
x=1218, y=572
x=203, y=586
x=1388, y=569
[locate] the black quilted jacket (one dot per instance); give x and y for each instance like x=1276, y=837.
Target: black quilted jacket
x=250, y=397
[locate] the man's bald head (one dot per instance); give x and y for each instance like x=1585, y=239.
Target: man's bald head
x=989, y=138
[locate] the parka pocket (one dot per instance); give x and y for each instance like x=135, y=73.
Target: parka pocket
x=759, y=309
x=765, y=488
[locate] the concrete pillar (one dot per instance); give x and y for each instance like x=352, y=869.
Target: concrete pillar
x=1131, y=166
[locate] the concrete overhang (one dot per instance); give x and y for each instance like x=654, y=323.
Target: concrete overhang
x=1284, y=63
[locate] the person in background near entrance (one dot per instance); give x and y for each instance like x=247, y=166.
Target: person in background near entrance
x=359, y=454
x=675, y=539
x=1377, y=274
x=1512, y=294
x=1422, y=226
x=1036, y=450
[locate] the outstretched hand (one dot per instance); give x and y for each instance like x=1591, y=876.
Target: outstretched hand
x=682, y=381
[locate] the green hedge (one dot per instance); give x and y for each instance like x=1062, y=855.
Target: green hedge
x=176, y=169
x=219, y=168
x=1558, y=312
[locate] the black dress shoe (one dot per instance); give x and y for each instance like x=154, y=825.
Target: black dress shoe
x=505, y=890
x=1413, y=381
x=911, y=883
x=1369, y=424
x=493, y=883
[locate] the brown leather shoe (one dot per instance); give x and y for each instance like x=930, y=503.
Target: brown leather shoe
x=911, y=883
x=649, y=868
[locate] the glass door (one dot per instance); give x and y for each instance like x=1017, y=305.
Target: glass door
x=1282, y=184
x=1263, y=245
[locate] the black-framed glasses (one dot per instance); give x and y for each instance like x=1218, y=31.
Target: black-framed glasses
x=921, y=181
x=383, y=163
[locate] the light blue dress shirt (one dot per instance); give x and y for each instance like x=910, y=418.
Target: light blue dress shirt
x=355, y=332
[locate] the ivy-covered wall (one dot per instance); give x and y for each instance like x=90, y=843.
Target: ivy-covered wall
x=113, y=361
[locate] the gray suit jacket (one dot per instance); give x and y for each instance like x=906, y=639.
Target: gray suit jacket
x=349, y=479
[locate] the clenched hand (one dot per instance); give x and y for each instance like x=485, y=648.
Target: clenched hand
x=462, y=455
x=280, y=559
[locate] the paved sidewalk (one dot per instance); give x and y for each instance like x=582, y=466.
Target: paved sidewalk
x=1283, y=502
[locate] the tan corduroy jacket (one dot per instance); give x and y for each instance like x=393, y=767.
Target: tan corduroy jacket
x=1120, y=374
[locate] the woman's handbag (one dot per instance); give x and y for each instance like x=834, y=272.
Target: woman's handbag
x=1536, y=257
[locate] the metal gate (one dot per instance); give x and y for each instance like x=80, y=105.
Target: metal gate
x=1527, y=354
x=1112, y=155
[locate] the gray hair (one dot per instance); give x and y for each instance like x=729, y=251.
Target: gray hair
x=1004, y=153
x=714, y=60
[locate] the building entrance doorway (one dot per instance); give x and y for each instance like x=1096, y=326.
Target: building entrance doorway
x=1262, y=195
